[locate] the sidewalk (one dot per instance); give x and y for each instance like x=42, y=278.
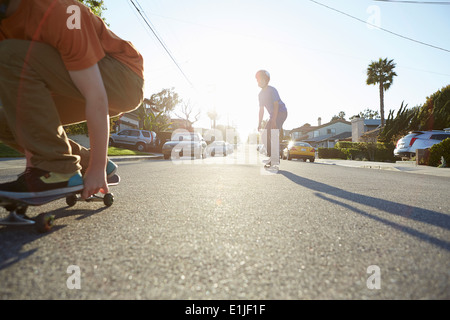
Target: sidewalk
x=400, y=166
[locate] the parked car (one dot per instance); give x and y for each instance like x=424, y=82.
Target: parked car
x=299, y=150
x=220, y=148
x=183, y=144
x=140, y=139
x=261, y=148
x=283, y=145
x=407, y=146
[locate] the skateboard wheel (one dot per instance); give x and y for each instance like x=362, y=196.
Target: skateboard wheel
x=71, y=200
x=45, y=222
x=108, y=199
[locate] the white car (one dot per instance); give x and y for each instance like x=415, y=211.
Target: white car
x=407, y=146
x=220, y=148
x=185, y=144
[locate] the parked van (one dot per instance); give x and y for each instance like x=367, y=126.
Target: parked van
x=142, y=140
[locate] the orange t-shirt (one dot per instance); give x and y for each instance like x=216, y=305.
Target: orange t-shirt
x=80, y=36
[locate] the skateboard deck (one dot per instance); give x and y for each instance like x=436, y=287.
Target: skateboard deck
x=17, y=207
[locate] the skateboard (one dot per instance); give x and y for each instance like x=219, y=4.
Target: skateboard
x=44, y=222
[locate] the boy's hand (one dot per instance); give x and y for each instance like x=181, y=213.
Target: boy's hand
x=94, y=182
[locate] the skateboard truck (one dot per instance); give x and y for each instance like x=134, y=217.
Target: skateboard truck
x=107, y=199
x=17, y=217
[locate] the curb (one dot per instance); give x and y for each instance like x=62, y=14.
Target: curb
x=155, y=156
x=399, y=166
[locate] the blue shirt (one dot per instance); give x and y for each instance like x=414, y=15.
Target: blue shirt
x=267, y=98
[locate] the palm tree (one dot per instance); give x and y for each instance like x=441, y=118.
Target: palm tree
x=381, y=72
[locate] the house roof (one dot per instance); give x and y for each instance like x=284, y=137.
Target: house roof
x=306, y=129
x=318, y=139
x=343, y=135
x=372, y=133
x=372, y=122
x=130, y=115
x=330, y=137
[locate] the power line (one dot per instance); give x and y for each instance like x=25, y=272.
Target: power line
x=416, y=2
x=146, y=20
x=378, y=27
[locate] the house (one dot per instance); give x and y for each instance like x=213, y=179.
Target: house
x=360, y=126
x=324, y=135
x=128, y=120
x=135, y=119
x=330, y=141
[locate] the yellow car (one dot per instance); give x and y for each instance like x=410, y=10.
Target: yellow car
x=299, y=150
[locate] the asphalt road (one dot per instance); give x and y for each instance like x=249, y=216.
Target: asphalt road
x=224, y=228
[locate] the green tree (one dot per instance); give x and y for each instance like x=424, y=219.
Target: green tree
x=152, y=120
x=381, y=72
x=398, y=126
x=434, y=114
x=156, y=122
x=340, y=116
x=367, y=114
x=154, y=113
x=97, y=7
x=165, y=100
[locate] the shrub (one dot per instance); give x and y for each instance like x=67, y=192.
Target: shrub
x=345, y=144
x=385, y=152
x=354, y=153
x=7, y=152
x=79, y=128
x=359, y=150
x=440, y=150
x=331, y=153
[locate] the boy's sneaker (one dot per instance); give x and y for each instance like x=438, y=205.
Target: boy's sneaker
x=111, y=169
x=35, y=183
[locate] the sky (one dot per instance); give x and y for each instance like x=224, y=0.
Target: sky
x=317, y=53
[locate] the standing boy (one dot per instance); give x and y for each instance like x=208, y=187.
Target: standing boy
x=270, y=99
x=60, y=64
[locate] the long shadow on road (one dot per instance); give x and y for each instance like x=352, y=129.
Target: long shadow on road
x=430, y=217
x=13, y=239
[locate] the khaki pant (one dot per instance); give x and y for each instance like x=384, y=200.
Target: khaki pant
x=39, y=97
